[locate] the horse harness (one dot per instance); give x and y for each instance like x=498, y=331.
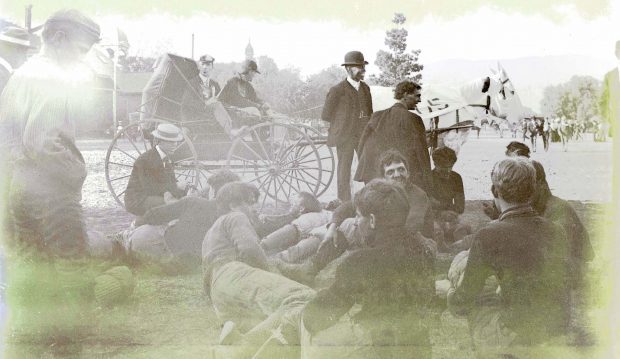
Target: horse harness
x=485, y=89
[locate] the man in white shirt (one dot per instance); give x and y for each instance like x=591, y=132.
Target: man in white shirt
x=39, y=111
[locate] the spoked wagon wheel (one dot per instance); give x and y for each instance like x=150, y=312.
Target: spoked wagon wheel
x=280, y=159
x=132, y=141
x=328, y=163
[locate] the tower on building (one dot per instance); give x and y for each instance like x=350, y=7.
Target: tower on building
x=249, y=51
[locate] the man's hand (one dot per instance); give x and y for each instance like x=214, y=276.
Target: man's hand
x=169, y=198
x=330, y=235
x=295, y=210
x=488, y=207
x=264, y=107
x=183, y=185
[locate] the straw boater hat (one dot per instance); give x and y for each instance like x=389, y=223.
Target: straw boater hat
x=168, y=132
x=16, y=36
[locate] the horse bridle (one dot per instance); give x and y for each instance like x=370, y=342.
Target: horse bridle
x=503, y=90
x=487, y=106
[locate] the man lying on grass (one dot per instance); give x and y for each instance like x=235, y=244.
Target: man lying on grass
x=238, y=276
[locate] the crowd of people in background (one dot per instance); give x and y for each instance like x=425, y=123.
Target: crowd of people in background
x=352, y=278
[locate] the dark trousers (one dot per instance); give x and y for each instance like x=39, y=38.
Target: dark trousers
x=345, y=152
x=47, y=217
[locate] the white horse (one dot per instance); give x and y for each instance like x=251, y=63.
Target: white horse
x=445, y=107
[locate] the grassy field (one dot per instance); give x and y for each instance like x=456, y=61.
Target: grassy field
x=168, y=315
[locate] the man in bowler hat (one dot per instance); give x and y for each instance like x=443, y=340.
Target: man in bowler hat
x=348, y=107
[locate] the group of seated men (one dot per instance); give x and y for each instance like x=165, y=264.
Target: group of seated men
x=360, y=281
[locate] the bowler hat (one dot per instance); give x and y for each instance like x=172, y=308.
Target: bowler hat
x=168, y=132
x=354, y=58
x=15, y=35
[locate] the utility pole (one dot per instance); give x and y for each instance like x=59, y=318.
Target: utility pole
x=192, y=46
x=28, y=18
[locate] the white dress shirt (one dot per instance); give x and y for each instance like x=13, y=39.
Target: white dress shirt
x=355, y=84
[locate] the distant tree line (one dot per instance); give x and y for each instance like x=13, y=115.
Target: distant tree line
x=578, y=99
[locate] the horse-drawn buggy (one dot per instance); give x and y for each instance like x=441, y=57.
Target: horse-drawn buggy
x=279, y=156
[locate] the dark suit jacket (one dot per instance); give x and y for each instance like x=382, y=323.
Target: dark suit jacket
x=149, y=178
x=399, y=129
x=529, y=255
x=343, y=106
x=232, y=96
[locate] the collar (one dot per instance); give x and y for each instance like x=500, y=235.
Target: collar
x=355, y=84
x=6, y=65
x=517, y=211
x=161, y=153
x=205, y=80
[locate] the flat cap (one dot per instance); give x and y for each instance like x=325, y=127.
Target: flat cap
x=76, y=18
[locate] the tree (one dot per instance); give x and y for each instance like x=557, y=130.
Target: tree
x=397, y=65
x=136, y=64
x=311, y=96
x=577, y=99
x=277, y=86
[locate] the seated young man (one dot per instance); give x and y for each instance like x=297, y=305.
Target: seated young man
x=342, y=232
x=447, y=197
x=513, y=149
x=391, y=278
x=152, y=181
x=174, y=232
x=309, y=214
x=529, y=256
x=238, y=278
x=239, y=92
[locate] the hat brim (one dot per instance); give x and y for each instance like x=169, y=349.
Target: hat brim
x=354, y=63
x=16, y=41
x=169, y=139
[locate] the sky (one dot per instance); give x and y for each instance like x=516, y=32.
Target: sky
x=314, y=36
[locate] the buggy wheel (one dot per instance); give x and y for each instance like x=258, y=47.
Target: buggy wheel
x=328, y=162
x=132, y=141
x=280, y=159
